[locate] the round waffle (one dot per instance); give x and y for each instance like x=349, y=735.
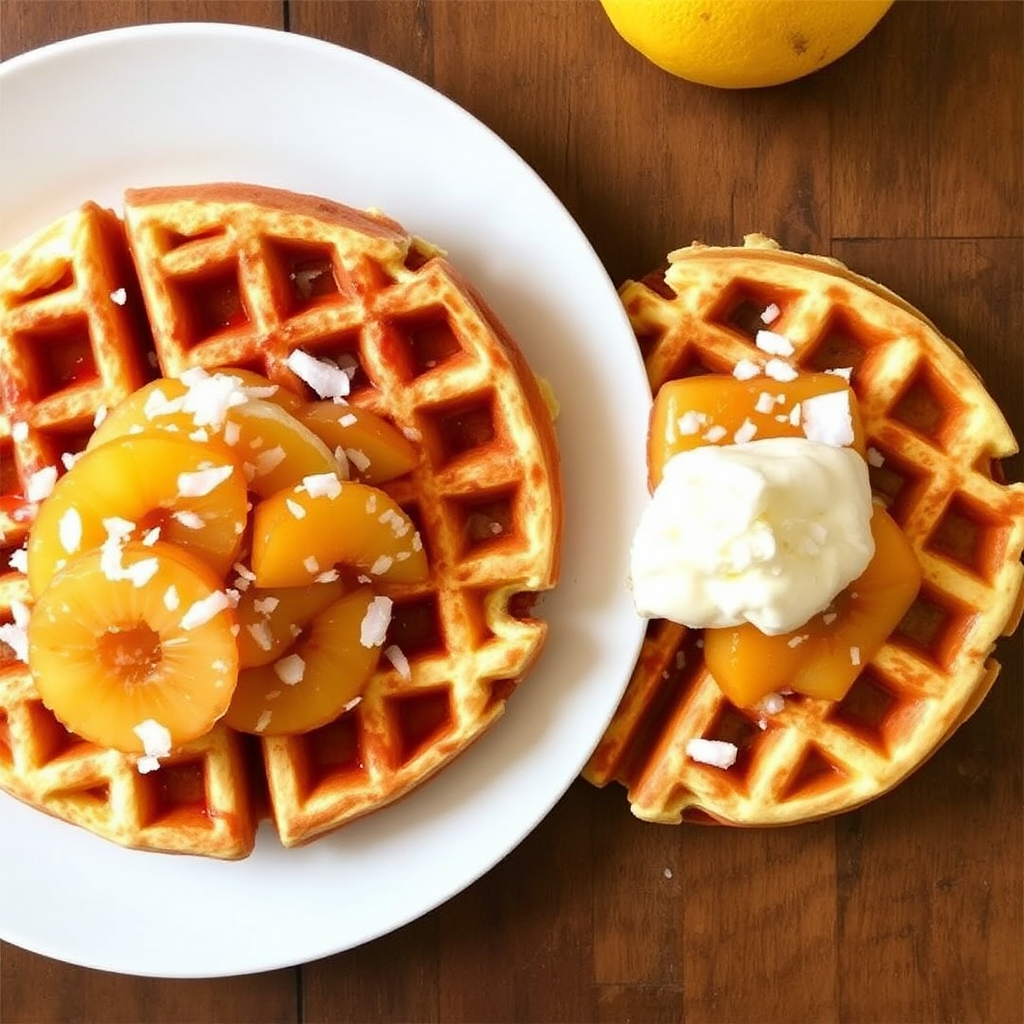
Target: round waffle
x=241, y=276
x=936, y=438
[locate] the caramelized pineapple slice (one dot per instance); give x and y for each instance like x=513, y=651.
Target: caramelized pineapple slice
x=823, y=657
x=377, y=451
x=303, y=532
x=149, y=485
x=145, y=636
x=719, y=409
x=273, y=447
x=322, y=673
x=270, y=619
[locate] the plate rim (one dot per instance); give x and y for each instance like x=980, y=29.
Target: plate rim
x=126, y=36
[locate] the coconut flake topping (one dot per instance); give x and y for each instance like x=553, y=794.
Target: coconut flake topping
x=375, y=622
x=326, y=379
x=716, y=753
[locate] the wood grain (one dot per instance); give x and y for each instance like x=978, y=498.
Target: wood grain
x=906, y=160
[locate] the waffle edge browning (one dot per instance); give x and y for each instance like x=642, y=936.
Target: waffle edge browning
x=231, y=275
x=941, y=437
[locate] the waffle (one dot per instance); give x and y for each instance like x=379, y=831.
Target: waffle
x=937, y=438
x=241, y=276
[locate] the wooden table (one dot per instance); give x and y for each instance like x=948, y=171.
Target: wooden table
x=904, y=159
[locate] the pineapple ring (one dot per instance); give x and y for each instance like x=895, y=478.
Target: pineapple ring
x=274, y=449
x=149, y=640
x=321, y=675
x=193, y=492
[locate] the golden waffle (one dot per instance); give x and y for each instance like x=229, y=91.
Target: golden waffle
x=73, y=343
x=234, y=275
x=939, y=436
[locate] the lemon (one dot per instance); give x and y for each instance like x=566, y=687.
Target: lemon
x=740, y=44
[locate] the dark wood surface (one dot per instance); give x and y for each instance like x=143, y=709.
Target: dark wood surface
x=905, y=159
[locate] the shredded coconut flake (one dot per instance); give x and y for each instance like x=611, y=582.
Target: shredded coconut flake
x=19, y=431
x=348, y=420
x=745, y=369
x=190, y=520
x=716, y=753
x=210, y=397
x=774, y=344
x=771, y=314
x=358, y=458
x=99, y=416
x=827, y=418
x=779, y=370
x=854, y=655
x=322, y=485
x=267, y=461
x=796, y=641
x=375, y=622
x=171, y=598
x=156, y=742
x=260, y=632
x=382, y=565
x=119, y=296
x=40, y=484
x=19, y=560
x=326, y=379
x=203, y=481
x=266, y=605
x=290, y=669
x=765, y=403
x=310, y=564
x=745, y=433
x=263, y=721
x=395, y=655
x=295, y=508
x=715, y=434
x=875, y=457
x=203, y=610
x=690, y=422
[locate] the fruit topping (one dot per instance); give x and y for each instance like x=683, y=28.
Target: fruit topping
x=376, y=450
x=749, y=521
x=148, y=487
x=302, y=533
x=269, y=620
x=718, y=409
x=323, y=673
x=146, y=618
x=141, y=658
x=824, y=656
x=274, y=449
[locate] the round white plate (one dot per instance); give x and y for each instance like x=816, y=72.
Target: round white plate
x=85, y=119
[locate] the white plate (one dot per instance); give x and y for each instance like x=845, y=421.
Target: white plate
x=173, y=104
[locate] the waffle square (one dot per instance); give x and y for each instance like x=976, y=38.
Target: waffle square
x=936, y=438
x=240, y=276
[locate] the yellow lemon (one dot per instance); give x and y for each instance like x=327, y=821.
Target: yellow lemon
x=741, y=44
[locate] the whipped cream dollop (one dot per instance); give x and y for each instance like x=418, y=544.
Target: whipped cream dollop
x=766, y=532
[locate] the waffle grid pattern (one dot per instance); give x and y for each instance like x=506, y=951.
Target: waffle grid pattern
x=237, y=276
x=938, y=433
x=424, y=350
x=70, y=347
